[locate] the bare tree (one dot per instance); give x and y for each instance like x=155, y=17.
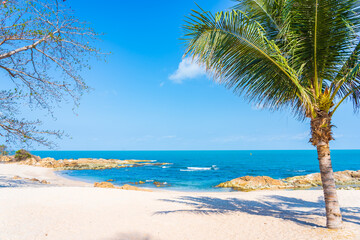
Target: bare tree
x=43, y=48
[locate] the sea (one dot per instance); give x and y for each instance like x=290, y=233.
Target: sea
x=203, y=170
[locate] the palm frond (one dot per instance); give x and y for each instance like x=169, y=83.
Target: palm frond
x=267, y=12
x=279, y=53
x=326, y=31
x=235, y=50
x=347, y=83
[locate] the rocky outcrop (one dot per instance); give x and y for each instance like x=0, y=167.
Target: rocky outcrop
x=79, y=164
x=44, y=182
x=161, y=184
x=344, y=180
x=34, y=180
x=124, y=187
x=6, y=158
x=249, y=183
x=104, y=185
x=313, y=180
x=129, y=187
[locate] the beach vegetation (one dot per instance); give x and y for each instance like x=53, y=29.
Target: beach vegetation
x=297, y=55
x=3, y=150
x=21, y=155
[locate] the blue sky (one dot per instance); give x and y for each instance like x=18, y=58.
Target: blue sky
x=142, y=99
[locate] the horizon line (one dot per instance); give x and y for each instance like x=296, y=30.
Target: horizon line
x=174, y=150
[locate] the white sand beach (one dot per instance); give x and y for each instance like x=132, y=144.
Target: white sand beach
x=69, y=209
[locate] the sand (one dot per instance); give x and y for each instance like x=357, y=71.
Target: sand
x=73, y=210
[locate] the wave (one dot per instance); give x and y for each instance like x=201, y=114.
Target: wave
x=192, y=169
x=199, y=168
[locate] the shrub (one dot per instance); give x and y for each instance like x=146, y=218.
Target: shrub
x=3, y=151
x=22, y=154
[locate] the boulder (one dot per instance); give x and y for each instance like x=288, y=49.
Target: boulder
x=77, y=164
x=129, y=187
x=161, y=184
x=44, y=182
x=249, y=183
x=124, y=187
x=33, y=179
x=104, y=185
x=303, y=182
x=16, y=178
x=6, y=158
x=312, y=180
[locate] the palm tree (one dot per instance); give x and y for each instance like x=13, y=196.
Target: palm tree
x=297, y=54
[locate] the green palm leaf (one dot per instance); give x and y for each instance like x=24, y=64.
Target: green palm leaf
x=235, y=49
x=302, y=54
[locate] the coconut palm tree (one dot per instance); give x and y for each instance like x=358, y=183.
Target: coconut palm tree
x=302, y=55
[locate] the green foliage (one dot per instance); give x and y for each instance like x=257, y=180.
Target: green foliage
x=302, y=54
x=22, y=154
x=3, y=151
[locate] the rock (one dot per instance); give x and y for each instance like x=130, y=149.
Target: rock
x=161, y=184
x=312, y=180
x=6, y=158
x=342, y=179
x=124, y=187
x=302, y=182
x=33, y=179
x=249, y=183
x=129, y=187
x=104, y=185
x=79, y=164
x=16, y=178
x=44, y=182
x=110, y=180
x=141, y=182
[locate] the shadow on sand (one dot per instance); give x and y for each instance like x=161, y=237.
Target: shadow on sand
x=287, y=208
x=132, y=236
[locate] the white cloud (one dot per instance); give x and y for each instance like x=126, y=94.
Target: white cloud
x=258, y=106
x=188, y=69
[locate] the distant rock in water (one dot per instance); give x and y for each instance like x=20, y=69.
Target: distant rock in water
x=79, y=164
x=351, y=179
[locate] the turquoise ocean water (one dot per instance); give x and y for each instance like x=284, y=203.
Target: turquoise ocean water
x=202, y=170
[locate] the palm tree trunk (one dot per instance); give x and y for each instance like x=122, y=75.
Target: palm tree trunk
x=333, y=214
x=321, y=135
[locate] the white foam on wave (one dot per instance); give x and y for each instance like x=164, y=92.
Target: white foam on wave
x=199, y=168
x=192, y=169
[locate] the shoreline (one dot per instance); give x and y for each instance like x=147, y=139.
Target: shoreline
x=68, y=209
x=54, y=176
x=9, y=171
